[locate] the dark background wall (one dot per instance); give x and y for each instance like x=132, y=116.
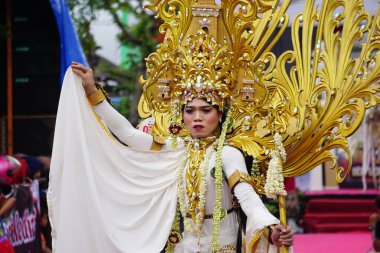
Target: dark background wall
x=36, y=76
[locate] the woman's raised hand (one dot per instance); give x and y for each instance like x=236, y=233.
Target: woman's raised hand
x=282, y=236
x=88, y=81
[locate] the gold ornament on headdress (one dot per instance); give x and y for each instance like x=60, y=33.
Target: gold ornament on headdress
x=203, y=70
x=314, y=95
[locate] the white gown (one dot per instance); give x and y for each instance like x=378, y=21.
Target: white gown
x=105, y=197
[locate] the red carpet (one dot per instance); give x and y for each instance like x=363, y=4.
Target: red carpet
x=338, y=210
x=353, y=242
x=337, y=215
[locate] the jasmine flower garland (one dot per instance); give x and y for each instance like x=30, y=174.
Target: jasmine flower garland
x=217, y=215
x=202, y=192
x=275, y=180
x=181, y=189
x=280, y=146
x=274, y=184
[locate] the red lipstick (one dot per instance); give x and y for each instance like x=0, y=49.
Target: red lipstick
x=198, y=127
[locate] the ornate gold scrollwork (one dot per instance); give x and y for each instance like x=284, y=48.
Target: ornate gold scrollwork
x=314, y=95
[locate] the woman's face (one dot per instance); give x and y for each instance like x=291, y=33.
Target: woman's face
x=200, y=118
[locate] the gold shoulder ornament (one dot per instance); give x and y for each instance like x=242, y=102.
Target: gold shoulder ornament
x=311, y=97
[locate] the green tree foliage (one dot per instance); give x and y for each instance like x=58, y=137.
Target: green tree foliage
x=142, y=35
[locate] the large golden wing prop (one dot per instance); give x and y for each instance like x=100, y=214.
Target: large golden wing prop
x=318, y=92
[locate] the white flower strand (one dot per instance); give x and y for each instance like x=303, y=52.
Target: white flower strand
x=181, y=189
x=275, y=180
x=274, y=184
x=280, y=146
x=218, y=182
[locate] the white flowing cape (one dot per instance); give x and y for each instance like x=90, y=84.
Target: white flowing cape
x=104, y=197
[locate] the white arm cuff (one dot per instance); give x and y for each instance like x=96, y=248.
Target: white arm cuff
x=258, y=215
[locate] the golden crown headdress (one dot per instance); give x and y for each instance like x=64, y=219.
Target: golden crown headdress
x=198, y=60
x=203, y=70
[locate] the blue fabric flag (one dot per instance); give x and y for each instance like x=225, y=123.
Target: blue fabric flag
x=71, y=49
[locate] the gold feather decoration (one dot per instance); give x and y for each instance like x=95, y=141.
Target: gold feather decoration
x=326, y=89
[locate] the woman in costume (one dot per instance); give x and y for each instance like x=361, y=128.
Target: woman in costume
x=215, y=58
x=196, y=192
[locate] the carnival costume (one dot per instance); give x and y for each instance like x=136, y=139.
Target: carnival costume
x=126, y=198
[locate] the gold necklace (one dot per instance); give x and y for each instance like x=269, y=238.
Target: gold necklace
x=196, y=172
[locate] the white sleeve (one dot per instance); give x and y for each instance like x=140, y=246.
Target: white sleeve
x=258, y=215
x=232, y=160
x=121, y=127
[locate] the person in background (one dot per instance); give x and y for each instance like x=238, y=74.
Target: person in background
x=376, y=239
x=45, y=231
x=11, y=170
x=7, y=201
x=33, y=164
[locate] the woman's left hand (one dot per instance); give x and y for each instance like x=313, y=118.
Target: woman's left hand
x=282, y=236
x=85, y=73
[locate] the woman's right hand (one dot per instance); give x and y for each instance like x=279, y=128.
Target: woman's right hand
x=88, y=81
x=282, y=236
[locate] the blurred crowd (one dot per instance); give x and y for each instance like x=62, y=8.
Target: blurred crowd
x=23, y=169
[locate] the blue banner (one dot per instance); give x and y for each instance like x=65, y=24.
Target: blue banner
x=71, y=49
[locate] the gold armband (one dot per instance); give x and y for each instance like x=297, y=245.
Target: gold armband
x=156, y=146
x=96, y=97
x=238, y=177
